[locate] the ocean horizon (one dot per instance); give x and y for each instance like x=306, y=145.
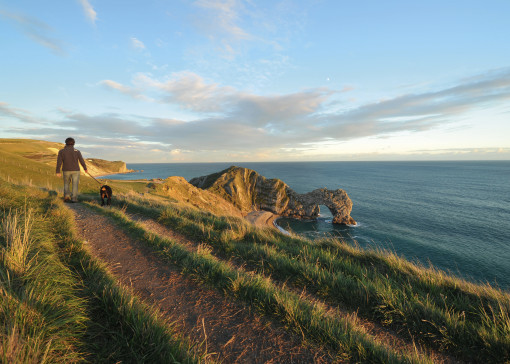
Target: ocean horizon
x=454, y=215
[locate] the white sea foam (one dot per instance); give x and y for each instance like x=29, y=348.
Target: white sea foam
x=282, y=230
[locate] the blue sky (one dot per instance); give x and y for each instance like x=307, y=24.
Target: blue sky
x=234, y=80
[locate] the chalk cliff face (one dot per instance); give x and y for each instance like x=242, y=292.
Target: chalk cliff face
x=249, y=191
x=100, y=167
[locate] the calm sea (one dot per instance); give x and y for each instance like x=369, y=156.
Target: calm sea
x=455, y=215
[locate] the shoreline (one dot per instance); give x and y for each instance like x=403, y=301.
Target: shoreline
x=262, y=218
x=265, y=219
x=114, y=174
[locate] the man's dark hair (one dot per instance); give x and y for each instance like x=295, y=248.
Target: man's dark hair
x=69, y=141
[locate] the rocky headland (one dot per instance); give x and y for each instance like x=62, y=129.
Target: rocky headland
x=249, y=191
x=101, y=167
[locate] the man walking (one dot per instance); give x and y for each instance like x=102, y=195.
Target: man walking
x=68, y=159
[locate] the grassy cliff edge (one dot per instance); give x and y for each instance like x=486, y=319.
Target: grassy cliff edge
x=57, y=304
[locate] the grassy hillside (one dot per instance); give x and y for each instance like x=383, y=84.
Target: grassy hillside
x=58, y=304
x=16, y=168
x=465, y=320
x=46, y=153
x=37, y=150
x=179, y=189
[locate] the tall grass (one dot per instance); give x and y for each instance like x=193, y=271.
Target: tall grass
x=342, y=334
x=123, y=328
x=41, y=319
x=18, y=241
x=455, y=316
x=58, y=304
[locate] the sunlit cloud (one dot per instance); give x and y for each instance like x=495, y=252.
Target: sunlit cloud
x=463, y=151
x=303, y=116
x=233, y=122
x=126, y=90
x=190, y=91
x=89, y=11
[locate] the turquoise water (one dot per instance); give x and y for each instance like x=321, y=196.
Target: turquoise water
x=455, y=215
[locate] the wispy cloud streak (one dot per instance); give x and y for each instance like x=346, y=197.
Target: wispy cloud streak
x=224, y=19
x=8, y=112
x=137, y=44
x=36, y=30
x=89, y=11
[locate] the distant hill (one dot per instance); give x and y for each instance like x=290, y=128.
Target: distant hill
x=46, y=152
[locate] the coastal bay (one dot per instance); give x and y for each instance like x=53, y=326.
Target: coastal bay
x=455, y=215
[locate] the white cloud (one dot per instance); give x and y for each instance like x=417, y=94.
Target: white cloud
x=137, y=44
x=221, y=22
x=130, y=91
x=224, y=18
x=190, y=91
x=248, y=120
x=7, y=111
x=90, y=13
x=233, y=122
x=36, y=30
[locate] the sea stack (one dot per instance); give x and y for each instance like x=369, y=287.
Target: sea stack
x=249, y=191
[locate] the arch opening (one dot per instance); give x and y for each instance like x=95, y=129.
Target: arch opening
x=325, y=212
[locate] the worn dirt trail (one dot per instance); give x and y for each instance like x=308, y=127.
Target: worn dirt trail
x=227, y=329
x=383, y=334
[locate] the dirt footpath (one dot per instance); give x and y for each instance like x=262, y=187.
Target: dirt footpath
x=227, y=329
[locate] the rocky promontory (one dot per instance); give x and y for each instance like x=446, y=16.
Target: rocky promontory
x=249, y=191
x=101, y=167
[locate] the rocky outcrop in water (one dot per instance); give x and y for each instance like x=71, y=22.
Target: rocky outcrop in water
x=249, y=191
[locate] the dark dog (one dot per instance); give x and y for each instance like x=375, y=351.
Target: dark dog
x=106, y=195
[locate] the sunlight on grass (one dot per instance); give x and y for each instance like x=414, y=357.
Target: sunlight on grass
x=432, y=307
x=57, y=304
x=17, y=241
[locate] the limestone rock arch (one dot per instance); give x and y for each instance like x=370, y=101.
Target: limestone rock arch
x=249, y=191
x=337, y=201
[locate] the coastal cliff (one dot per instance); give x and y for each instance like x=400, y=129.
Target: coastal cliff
x=101, y=167
x=250, y=191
